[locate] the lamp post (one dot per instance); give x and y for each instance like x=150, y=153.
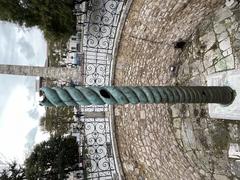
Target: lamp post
x=96, y=95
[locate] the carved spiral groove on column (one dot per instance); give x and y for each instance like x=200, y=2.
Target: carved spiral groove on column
x=94, y=95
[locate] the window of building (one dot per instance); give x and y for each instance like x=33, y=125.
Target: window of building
x=78, y=47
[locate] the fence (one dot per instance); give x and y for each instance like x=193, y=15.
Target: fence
x=98, y=25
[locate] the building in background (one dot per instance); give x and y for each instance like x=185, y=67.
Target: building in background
x=74, y=55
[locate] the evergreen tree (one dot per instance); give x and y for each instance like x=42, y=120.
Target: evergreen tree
x=57, y=121
x=52, y=159
x=54, y=17
x=13, y=172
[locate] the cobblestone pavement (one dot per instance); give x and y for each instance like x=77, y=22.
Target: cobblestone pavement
x=165, y=141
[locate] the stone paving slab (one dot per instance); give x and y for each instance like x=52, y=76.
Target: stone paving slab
x=210, y=138
x=176, y=141
x=226, y=78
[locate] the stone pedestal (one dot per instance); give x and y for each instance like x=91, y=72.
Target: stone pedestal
x=231, y=79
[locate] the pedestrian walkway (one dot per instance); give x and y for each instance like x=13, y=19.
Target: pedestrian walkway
x=171, y=142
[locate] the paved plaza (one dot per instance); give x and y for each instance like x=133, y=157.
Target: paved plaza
x=165, y=141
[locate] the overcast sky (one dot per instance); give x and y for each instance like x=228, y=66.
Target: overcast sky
x=19, y=110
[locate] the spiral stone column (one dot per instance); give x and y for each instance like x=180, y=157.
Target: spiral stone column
x=95, y=95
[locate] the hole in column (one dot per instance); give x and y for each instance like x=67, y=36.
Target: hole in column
x=204, y=94
x=105, y=93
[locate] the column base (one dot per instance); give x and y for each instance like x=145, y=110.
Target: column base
x=231, y=79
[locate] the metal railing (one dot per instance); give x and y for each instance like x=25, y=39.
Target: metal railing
x=97, y=27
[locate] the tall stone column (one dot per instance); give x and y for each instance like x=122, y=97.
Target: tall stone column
x=47, y=72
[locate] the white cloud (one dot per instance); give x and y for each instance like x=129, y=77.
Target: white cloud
x=15, y=124
x=20, y=46
x=26, y=48
x=40, y=136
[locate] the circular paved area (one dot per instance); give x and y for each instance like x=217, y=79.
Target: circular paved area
x=175, y=141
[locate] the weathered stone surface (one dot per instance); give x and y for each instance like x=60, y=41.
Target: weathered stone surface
x=219, y=28
x=210, y=56
x=175, y=111
x=222, y=14
x=208, y=40
x=47, y=72
x=174, y=141
x=235, y=167
x=230, y=61
x=188, y=135
x=225, y=44
x=231, y=3
x=177, y=123
x=221, y=65
x=222, y=36
x=237, y=35
x=228, y=52
x=220, y=177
